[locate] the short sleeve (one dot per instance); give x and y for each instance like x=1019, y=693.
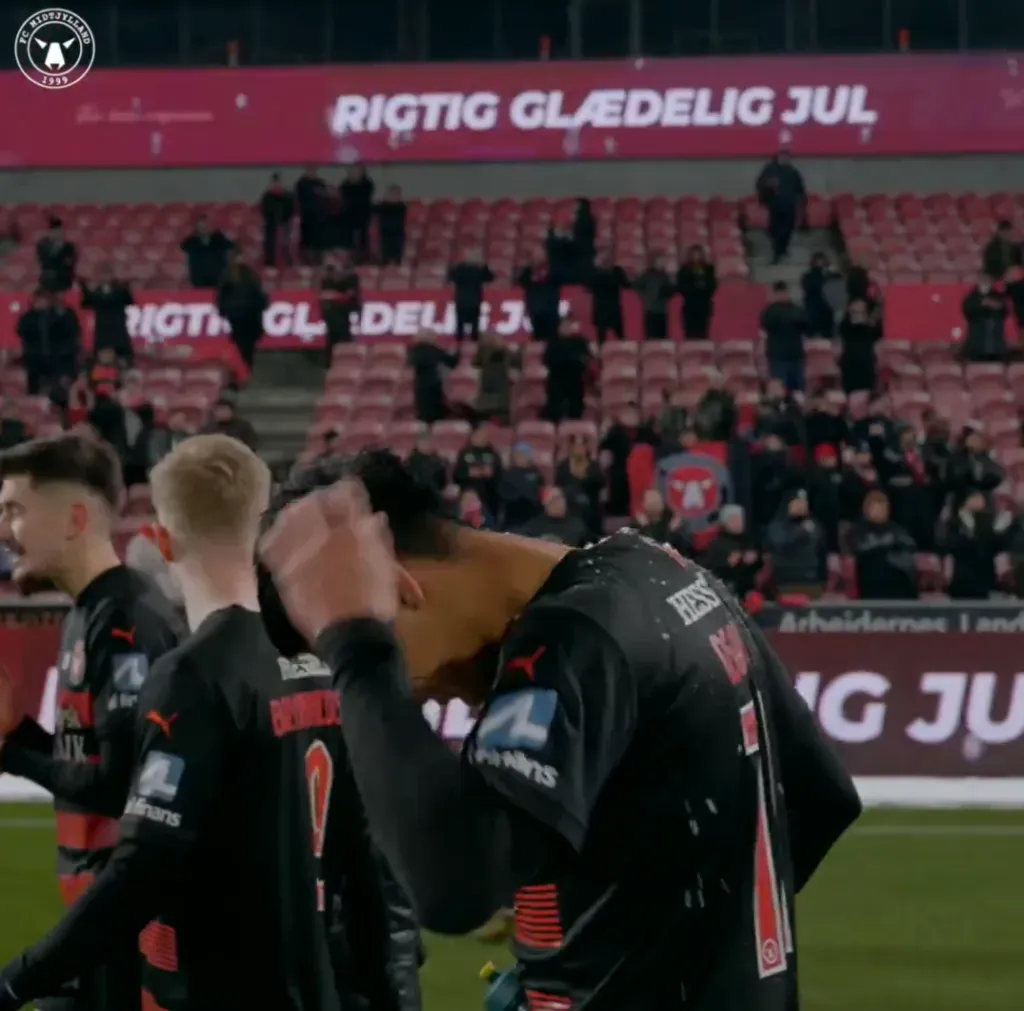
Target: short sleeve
x=182, y=734
x=562, y=716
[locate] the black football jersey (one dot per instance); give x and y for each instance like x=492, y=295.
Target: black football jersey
x=236, y=768
x=629, y=717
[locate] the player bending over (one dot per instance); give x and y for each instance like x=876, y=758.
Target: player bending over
x=58, y=501
x=643, y=774
x=222, y=833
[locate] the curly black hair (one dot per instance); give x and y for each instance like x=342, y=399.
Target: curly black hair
x=419, y=525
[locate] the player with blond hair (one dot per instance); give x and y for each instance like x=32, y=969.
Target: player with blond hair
x=221, y=839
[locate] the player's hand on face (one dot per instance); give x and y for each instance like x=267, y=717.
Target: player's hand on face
x=332, y=560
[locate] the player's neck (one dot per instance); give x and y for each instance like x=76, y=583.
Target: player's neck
x=94, y=558
x=216, y=583
x=525, y=565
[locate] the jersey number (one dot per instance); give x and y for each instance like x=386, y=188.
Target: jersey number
x=320, y=777
x=771, y=911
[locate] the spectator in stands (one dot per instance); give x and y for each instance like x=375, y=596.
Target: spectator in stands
x=876, y=429
x=780, y=188
x=883, y=553
x=773, y=479
x=655, y=289
x=206, y=252
x=714, y=420
x=732, y=555
x=584, y=239
x=606, y=282
x=937, y=453
x=1014, y=285
x=859, y=287
x=468, y=277
x=784, y=327
x=674, y=417
x=225, y=420
x=972, y=541
x=241, y=300
x=520, y=487
x=478, y=468
x=824, y=491
x=821, y=317
x=568, y=359
x=277, y=207
x=825, y=423
x=13, y=430
x=104, y=371
x=904, y=475
x=985, y=309
x=109, y=421
x=779, y=414
x=57, y=257
x=796, y=543
x=340, y=299
x=430, y=363
x=556, y=523
x=109, y=298
x=311, y=201
x=582, y=483
x=859, y=333
x=542, y=293
x=1001, y=252
x=391, y=213
x=498, y=364
x=860, y=477
x=149, y=443
x=972, y=469
x=656, y=520
x=429, y=467
x=50, y=335
x=697, y=282
x=621, y=436
x=357, y=207
x=561, y=253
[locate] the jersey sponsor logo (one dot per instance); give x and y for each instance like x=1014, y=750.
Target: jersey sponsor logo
x=127, y=634
x=526, y=664
x=305, y=665
x=160, y=776
x=130, y=671
x=139, y=808
x=304, y=711
x=518, y=720
x=695, y=601
x=165, y=723
x=520, y=763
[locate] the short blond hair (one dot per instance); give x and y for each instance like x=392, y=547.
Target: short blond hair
x=211, y=489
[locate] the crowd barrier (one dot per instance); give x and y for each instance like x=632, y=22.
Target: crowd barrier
x=925, y=703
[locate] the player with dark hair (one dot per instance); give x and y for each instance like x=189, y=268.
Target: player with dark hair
x=643, y=775
x=227, y=816
x=58, y=501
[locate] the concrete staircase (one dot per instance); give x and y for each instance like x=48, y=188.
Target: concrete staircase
x=793, y=267
x=280, y=400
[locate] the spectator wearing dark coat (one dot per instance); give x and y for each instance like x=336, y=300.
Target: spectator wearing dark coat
x=468, y=278
x=357, y=209
x=542, y=292
x=241, y=300
x=51, y=338
x=206, y=251
x=556, y=523
x=57, y=257
x=972, y=469
x=821, y=320
x=784, y=327
x=391, y=214
x=109, y=298
x=697, y=282
x=780, y=188
x=883, y=553
x=520, y=488
x=277, y=208
x=429, y=363
x=974, y=539
x=606, y=283
x=732, y=554
x=859, y=333
x=796, y=543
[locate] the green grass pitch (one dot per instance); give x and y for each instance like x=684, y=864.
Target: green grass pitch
x=914, y=911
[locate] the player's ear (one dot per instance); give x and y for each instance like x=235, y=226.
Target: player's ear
x=410, y=593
